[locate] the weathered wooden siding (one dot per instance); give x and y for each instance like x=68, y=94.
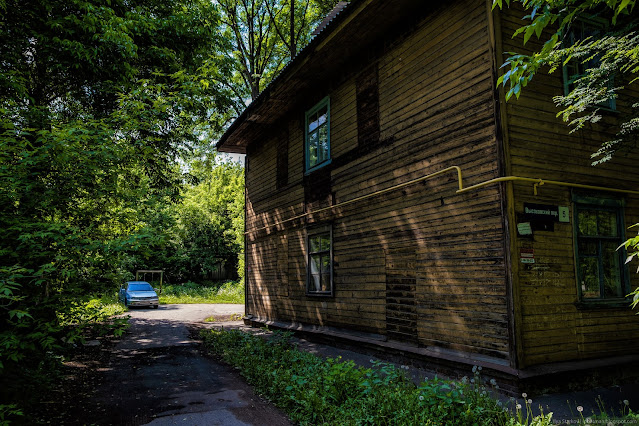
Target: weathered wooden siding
x=420, y=265
x=552, y=328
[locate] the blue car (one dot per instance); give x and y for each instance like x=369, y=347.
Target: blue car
x=138, y=293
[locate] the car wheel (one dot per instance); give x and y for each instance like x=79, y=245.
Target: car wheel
x=156, y=306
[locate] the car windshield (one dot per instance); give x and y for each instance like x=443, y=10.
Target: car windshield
x=140, y=287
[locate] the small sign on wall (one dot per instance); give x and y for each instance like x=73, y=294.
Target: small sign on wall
x=546, y=212
x=524, y=228
x=541, y=211
x=527, y=255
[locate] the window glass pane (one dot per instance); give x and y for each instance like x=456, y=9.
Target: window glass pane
x=587, y=248
x=589, y=274
x=315, y=263
x=322, y=115
x=315, y=242
x=319, y=263
x=590, y=29
x=312, y=122
x=314, y=283
x=599, y=263
x=607, y=223
x=317, y=136
x=326, y=264
x=574, y=69
x=323, y=144
x=326, y=241
x=312, y=149
x=587, y=220
x=611, y=268
x=326, y=282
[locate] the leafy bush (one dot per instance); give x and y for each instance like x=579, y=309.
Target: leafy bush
x=9, y=412
x=227, y=292
x=93, y=316
x=313, y=390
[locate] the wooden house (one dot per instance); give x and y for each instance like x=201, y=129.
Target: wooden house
x=394, y=200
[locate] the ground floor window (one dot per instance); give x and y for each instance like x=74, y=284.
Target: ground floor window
x=599, y=232
x=320, y=262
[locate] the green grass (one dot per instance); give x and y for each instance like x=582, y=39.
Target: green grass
x=91, y=309
x=223, y=318
x=227, y=292
x=110, y=305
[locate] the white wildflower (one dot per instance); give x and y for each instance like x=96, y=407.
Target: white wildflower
x=625, y=402
x=474, y=368
x=580, y=408
x=493, y=382
x=530, y=401
x=524, y=394
x=518, y=406
x=421, y=397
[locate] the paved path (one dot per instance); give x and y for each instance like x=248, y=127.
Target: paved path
x=157, y=375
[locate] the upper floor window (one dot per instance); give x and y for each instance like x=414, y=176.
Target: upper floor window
x=573, y=69
x=318, y=135
x=599, y=231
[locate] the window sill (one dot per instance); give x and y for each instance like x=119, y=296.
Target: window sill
x=319, y=294
x=603, y=304
x=318, y=167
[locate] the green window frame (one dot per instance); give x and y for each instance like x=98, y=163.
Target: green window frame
x=317, y=135
x=581, y=29
x=319, y=270
x=599, y=226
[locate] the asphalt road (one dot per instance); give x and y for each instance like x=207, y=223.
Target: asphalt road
x=157, y=375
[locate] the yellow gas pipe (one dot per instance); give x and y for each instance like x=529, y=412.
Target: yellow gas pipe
x=537, y=182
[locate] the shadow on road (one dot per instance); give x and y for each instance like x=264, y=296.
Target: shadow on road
x=156, y=374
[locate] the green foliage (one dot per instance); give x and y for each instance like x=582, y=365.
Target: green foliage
x=263, y=35
x=92, y=316
x=201, y=236
x=8, y=413
x=313, y=390
x=616, y=51
x=227, y=292
x=210, y=221
x=632, y=247
x=98, y=101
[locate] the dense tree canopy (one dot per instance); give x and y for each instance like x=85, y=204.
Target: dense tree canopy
x=204, y=230
x=263, y=36
x=97, y=102
x=107, y=113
